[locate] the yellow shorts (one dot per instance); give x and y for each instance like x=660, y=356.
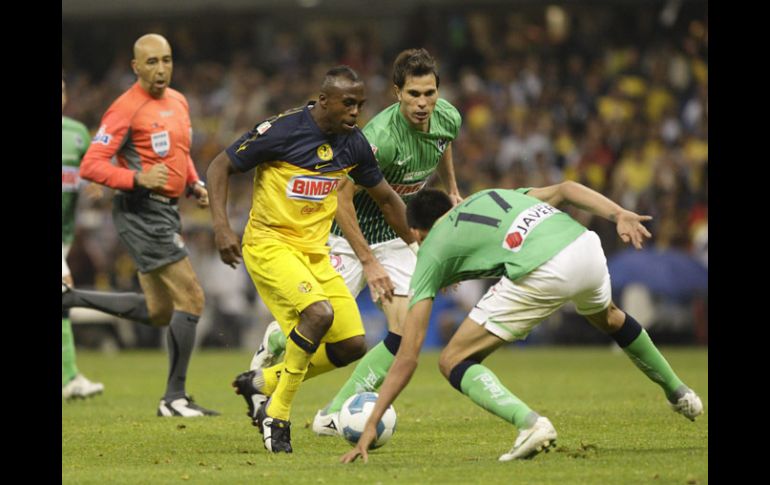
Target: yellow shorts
x=289, y=280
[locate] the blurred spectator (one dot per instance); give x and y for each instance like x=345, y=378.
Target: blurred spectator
x=546, y=93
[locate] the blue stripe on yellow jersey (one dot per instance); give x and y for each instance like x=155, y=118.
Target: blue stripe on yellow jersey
x=298, y=169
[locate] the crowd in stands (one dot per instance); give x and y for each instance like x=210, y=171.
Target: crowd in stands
x=614, y=99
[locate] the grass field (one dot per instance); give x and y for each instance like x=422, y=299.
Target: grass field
x=614, y=426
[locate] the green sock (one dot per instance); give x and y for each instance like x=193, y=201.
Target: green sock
x=368, y=375
x=484, y=388
x=649, y=360
x=68, y=368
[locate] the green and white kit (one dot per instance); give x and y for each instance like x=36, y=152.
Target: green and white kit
x=542, y=256
x=407, y=158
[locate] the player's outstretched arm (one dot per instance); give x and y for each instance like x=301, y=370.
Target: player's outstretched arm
x=628, y=224
x=218, y=174
x=380, y=285
x=415, y=327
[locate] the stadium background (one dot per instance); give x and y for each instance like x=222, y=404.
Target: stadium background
x=612, y=94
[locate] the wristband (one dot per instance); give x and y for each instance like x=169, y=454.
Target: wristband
x=189, y=189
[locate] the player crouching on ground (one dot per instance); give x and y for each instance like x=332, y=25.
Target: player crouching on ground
x=544, y=258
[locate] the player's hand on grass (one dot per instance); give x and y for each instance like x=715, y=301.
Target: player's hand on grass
x=362, y=447
x=380, y=285
x=630, y=228
x=228, y=245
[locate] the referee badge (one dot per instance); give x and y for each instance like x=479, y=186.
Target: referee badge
x=160, y=143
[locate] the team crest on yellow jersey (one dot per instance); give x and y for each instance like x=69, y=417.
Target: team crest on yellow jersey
x=305, y=287
x=324, y=152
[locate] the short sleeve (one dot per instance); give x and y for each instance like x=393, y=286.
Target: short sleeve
x=263, y=143
x=426, y=280
x=382, y=145
x=455, y=121
x=366, y=173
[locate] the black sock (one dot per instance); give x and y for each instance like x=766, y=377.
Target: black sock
x=180, y=340
x=132, y=306
x=458, y=372
x=392, y=342
x=628, y=332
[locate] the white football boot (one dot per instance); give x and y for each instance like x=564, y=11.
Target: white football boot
x=80, y=388
x=326, y=424
x=531, y=441
x=688, y=405
x=183, y=407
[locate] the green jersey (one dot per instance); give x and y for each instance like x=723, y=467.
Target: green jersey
x=493, y=233
x=407, y=158
x=74, y=143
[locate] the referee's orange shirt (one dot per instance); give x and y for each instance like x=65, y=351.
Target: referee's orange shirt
x=141, y=131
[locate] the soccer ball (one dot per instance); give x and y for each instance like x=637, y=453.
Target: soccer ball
x=356, y=411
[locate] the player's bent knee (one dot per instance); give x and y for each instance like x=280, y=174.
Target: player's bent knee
x=316, y=320
x=197, y=300
x=447, y=361
x=615, y=319
x=190, y=298
x=346, y=351
x=161, y=317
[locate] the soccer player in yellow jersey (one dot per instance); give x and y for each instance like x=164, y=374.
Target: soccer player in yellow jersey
x=300, y=158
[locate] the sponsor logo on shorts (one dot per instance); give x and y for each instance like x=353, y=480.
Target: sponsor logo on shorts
x=160, y=143
x=324, y=152
x=305, y=287
x=336, y=261
x=408, y=189
x=70, y=179
x=304, y=187
x=102, y=136
x=524, y=223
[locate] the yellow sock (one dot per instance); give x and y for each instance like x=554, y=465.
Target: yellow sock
x=271, y=375
x=295, y=366
x=320, y=363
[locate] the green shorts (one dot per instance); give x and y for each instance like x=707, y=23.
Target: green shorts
x=150, y=228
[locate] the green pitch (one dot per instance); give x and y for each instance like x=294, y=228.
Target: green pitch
x=614, y=426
